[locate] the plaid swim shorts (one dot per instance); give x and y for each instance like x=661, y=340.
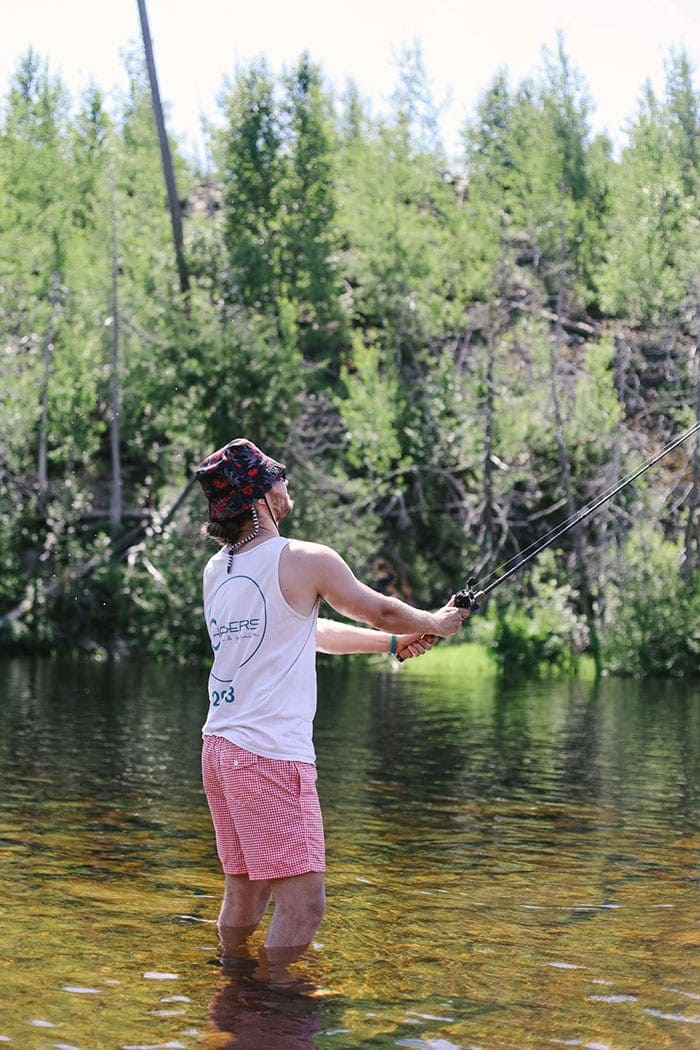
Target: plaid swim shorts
x=266, y=813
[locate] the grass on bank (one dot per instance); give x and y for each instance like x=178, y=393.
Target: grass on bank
x=479, y=661
x=472, y=658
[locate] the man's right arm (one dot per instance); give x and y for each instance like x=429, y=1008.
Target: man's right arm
x=313, y=568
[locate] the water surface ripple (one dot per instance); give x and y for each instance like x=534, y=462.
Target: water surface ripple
x=509, y=867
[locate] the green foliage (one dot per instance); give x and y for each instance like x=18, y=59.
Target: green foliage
x=368, y=412
x=396, y=214
x=541, y=633
x=250, y=164
x=308, y=234
x=487, y=140
x=558, y=186
x=416, y=116
x=683, y=104
x=597, y=404
x=653, y=622
x=382, y=320
x=34, y=172
x=279, y=233
x=160, y=598
x=653, y=223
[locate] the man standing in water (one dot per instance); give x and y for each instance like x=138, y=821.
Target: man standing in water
x=261, y=602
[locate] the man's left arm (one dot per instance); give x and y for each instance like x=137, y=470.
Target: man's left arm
x=342, y=638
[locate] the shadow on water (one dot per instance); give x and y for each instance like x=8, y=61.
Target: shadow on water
x=509, y=866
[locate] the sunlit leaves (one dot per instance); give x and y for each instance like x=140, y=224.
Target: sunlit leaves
x=653, y=623
x=654, y=226
x=368, y=411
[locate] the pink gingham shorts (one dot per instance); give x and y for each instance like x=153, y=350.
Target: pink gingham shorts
x=266, y=813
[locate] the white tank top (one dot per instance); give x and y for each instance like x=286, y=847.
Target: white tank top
x=262, y=686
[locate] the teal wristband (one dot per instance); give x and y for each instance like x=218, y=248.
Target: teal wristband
x=392, y=645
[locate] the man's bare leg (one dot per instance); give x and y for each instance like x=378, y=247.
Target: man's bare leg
x=242, y=908
x=300, y=903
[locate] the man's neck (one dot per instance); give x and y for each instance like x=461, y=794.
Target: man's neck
x=268, y=530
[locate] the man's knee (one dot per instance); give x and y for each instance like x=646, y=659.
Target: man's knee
x=304, y=895
x=309, y=903
x=244, y=900
x=316, y=906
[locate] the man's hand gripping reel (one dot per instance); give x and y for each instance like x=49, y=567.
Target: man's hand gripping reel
x=464, y=599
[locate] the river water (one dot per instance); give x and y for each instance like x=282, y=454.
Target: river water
x=510, y=866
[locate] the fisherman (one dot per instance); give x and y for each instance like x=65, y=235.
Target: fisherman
x=261, y=601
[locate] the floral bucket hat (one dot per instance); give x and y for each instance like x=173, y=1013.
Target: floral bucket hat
x=235, y=476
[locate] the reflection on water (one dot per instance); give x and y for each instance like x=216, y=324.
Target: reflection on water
x=256, y=1015
x=262, y=1003
x=508, y=867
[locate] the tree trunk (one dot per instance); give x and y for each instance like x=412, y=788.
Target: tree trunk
x=610, y=531
x=487, y=512
x=497, y=322
x=579, y=539
x=43, y=455
x=115, y=502
x=691, y=557
x=165, y=156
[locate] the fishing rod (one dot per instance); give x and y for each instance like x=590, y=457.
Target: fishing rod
x=466, y=598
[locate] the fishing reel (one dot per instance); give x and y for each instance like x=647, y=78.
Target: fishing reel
x=466, y=598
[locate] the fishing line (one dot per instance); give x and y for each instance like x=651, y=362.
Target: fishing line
x=465, y=598
x=578, y=515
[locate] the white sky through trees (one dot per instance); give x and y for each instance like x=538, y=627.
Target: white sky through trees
x=615, y=46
